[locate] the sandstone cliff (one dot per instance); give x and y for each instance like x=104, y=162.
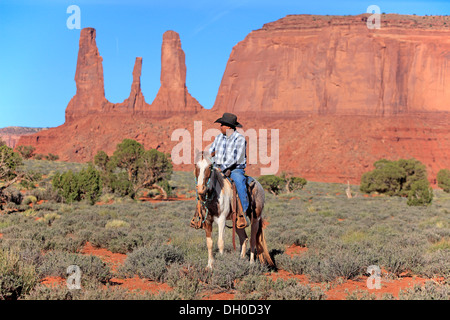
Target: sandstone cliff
x=336, y=65
x=172, y=98
x=342, y=96
x=11, y=135
x=90, y=94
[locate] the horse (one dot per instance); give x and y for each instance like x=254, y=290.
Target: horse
x=215, y=204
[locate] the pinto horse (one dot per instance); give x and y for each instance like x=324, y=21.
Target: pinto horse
x=215, y=204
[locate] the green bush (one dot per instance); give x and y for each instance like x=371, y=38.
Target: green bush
x=132, y=168
x=29, y=199
x=385, y=178
x=272, y=183
x=421, y=194
x=443, y=179
x=276, y=184
x=119, y=184
x=90, y=184
x=16, y=277
x=11, y=161
x=398, y=178
x=52, y=157
x=295, y=183
x=26, y=151
x=86, y=184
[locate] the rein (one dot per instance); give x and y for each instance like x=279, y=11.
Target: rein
x=206, y=201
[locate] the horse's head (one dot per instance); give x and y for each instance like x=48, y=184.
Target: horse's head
x=203, y=172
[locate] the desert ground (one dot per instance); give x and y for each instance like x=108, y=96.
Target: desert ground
x=321, y=241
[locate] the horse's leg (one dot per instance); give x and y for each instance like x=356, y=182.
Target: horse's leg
x=209, y=243
x=221, y=223
x=254, y=231
x=243, y=241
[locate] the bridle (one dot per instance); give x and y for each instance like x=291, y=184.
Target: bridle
x=204, y=203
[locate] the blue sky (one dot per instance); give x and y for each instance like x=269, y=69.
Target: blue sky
x=38, y=53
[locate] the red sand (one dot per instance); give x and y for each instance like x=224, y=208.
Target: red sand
x=339, y=289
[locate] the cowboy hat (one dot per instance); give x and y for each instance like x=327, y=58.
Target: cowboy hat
x=229, y=119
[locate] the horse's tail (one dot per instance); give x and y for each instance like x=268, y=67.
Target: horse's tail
x=261, y=246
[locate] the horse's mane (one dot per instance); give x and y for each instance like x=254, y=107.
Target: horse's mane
x=220, y=177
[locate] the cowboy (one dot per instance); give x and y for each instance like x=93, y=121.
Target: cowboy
x=229, y=152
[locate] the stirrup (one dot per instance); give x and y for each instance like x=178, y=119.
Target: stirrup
x=247, y=223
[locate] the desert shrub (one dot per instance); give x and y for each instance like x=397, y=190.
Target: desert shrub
x=292, y=290
x=55, y=264
x=67, y=186
x=101, y=160
x=443, y=179
x=151, y=261
x=119, y=184
x=436, y=264
x=295, y=264
x=259, y=287
x=26, y=151
x=428, y=291
x=397, y=257
x=132, y=168
x=116, y=223
x=229, y=268
x=78, y=186
x=337, y=261
x=386, y=178
x=292, y=183
x=30, y=180
x=276, y=184
x=359, y=295
x=90, y=184
x=11, y=161
x=52, y=157
x=44, y=292
x=46, y=193
x=16, y=277
x=295, y=183
x=187, y=279
x=415, y=172
x=397, y=178
x=272, y=183
x=12, y=195
x=29, y=199
x=93, y=291
x=117, y=239
x=421, y=194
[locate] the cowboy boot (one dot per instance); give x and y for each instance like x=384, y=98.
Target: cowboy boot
x=242, y=217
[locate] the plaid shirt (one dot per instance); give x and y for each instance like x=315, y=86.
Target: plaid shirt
x=229, y=151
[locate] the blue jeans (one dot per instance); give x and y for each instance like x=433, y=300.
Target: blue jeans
x=240, y=180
